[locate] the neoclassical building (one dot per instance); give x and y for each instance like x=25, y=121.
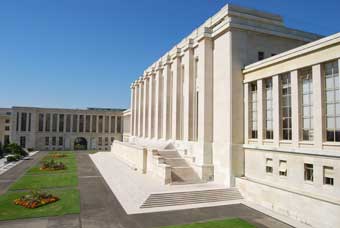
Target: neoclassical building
x=64, y=129
x=244, y=101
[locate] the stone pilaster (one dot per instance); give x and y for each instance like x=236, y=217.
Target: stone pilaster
x=136, y=109
x=158, y=103
x=246, y=113
x=145, y=106
x=295, y=107
x=176, y=96
x=188, y=90
x=260, y=111
x=140, y=107
x=276, y=110
x=151, y=113
x=166, y=102
x=132, y=107
x=318, y=123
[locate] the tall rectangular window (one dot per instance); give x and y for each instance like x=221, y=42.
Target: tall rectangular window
x=88, y=123
x=29, y=121
x=107, y=124
x=41, y=122
x=47, y=141
x=100, y=123
x=269, y=165
x=94, y=123
x=54, y=141
x=81, y=123
x=282, y=168
x=61, y=141
x=309, y=172
x=268, y=103
x=286, y=107
x=17, y=124
x=119, y=124
x=75, y=123
x=48, y=122
x=328, y=175
x=100, y=141
x=253, y=110
x=61, y=123
x=68, y=123
x=332, y=101
x=54, y=122
x=306, y=97
x=23, y=121
x=113, y=124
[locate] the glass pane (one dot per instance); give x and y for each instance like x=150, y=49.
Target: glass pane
x=329, y=83
x=336, y=82
x=337, y=123
x=285, y=123
x=337, y=136
x=306, y=111
x=330, y=123
x=330, y=96
x=337, y=95
x=305, y=99
x=328, y=68
x=330, y=109
x=306, y=123
x=305, y=135
x=330, y=136
x=337, y=109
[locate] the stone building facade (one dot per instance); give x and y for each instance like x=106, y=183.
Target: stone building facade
x=244, y=101
x=66, y=129
x=5, y=126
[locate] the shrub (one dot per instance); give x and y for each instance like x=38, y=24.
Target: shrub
x=13, y=158
x=35, y=199
x=52, y=165
x=30, y=149
x=15, y=149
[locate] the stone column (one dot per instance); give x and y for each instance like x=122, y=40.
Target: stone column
x=132, y=107
x=145, y=106
x=204, y=113
x=166, y=101
x=188, y=59
x=136, y=109
x=246, y=113
x=295, y=107
x=158, y=104
x=318, y=123
x=140, y=107
x=276, y=110
x=176, y=95
x=260, y=111
x=151, y=113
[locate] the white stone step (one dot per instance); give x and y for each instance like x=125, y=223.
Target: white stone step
x=192, y=197
x=185, y=175
x=176, y=162
x=169, y=153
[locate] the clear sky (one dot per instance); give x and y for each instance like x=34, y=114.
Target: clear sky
x=85, y=53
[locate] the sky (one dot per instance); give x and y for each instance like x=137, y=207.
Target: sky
x=86, y=53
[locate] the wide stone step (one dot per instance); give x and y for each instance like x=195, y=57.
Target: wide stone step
x=176, y=162
x=192, y=197
x=169, y=153
x=184, y=174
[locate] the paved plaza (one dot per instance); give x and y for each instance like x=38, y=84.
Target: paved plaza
x=100, y=207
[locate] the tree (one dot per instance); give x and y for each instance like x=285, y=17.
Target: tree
x=15, y=149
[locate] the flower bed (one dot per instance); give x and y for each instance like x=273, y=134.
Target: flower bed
x=52, y=165
x=35, y=199
x=58, y=155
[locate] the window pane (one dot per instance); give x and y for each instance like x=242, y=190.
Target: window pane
x=330, y=123
x=330, y=109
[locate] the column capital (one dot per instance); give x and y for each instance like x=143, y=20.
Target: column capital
x=188, y=45
x=206, y=34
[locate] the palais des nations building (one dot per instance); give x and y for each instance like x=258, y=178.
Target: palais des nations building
x=242, y=101
x=246, y=102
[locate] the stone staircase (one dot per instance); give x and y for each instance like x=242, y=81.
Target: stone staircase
x=191, y=197
x=181, y=169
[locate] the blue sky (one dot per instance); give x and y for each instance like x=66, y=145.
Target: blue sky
x=85, y=53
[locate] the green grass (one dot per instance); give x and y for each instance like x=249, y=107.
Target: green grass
x=46, y=181
x=228, y=223
x=70, y=163
x=69, y=203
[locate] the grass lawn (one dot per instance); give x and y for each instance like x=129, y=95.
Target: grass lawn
x=69, y=203
x=228, y=223
x=70, y=163
x=46, y=181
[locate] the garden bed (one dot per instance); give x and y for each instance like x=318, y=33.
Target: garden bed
x=35, y=199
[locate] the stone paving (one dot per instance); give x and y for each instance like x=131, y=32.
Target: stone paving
x=100, y=207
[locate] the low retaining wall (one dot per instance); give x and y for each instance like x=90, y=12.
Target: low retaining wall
x=307, y=210
x=134, y=156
